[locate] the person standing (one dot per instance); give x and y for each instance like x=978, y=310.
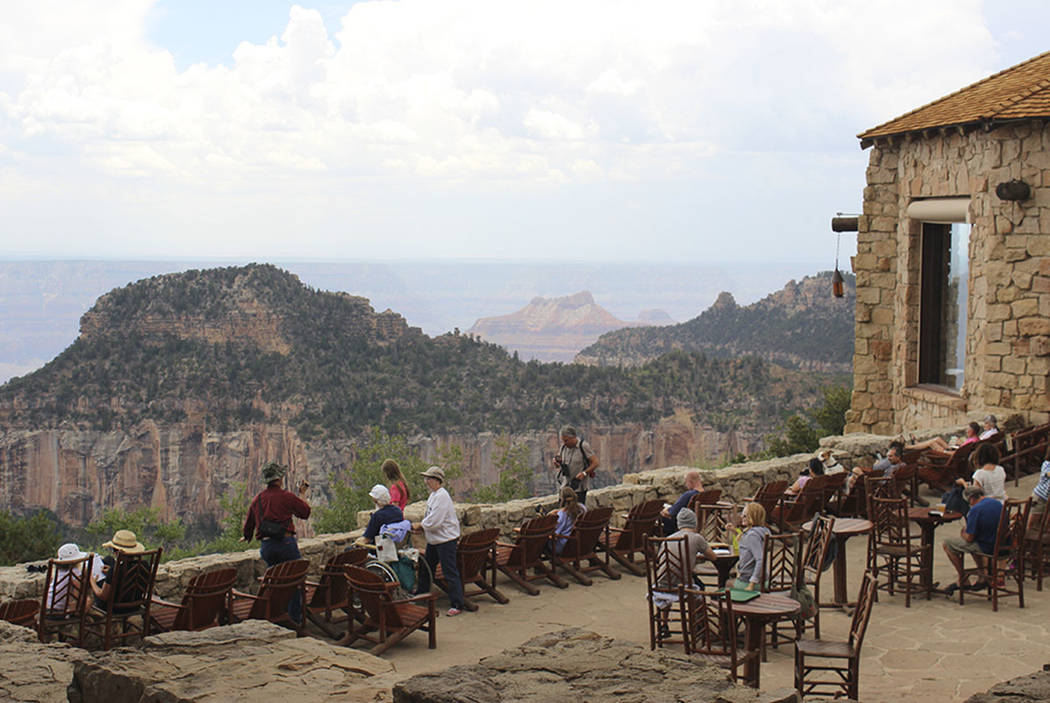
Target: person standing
x=440, y=526
x=575, y=463
x=270, y=520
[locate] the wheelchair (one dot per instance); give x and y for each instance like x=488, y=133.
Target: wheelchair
x=407, y=570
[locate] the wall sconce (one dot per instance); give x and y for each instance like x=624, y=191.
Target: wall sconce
x=1015, y=190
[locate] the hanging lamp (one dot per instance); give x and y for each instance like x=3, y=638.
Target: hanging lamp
x=837, y=282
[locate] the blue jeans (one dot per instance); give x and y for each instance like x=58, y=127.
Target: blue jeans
x=278, y=551
x=446, y=554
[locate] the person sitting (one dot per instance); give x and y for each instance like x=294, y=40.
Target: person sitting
x=104, y=589
x=693, y=485
x=991, y=427
x=976, y=538
x=569, y=511
x=58, y=590
x=1041, y=493
x=815, y=468
x=892, y=461
x=385, y=513
x=972, y=434
x=989, y=475
x=940, y=447
x=695, y=546
x=399, y=493
x=752, y=548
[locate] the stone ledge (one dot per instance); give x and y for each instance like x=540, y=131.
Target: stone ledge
x=936, y=396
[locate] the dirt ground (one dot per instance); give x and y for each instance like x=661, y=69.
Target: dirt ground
x=934, y=648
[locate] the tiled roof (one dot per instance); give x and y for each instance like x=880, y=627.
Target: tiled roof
x=1019, y=92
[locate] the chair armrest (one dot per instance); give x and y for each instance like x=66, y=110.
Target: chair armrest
x=315, y=584
x=415, y=599
x=240, y=594
x=167, y=604
x=616, y=529
x=505, y=544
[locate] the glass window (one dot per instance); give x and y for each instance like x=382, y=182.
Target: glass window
x=944, y=302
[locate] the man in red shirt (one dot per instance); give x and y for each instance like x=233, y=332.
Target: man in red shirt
x=270, y=520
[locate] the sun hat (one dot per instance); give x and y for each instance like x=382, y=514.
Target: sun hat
x=686, y=518
x=434, y=472
x=69, y=551
x=380, y=494
x=272, y=472
x=125, y=541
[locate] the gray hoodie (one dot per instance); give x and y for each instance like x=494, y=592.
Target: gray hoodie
x=752, y=553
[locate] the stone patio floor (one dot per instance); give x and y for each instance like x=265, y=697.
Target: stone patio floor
x=935, y=648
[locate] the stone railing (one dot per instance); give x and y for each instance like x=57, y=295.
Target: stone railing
x=737, y=482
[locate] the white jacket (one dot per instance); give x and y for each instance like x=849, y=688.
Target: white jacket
x=440, y=523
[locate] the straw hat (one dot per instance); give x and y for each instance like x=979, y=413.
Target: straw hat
x=434, y=472
x=125, y=541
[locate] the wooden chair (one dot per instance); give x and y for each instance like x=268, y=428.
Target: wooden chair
x=879, y=487
x=714, y=521
x=838, y=661
x=522, y=562
x=1027, y=448
x=1006, y=563
x=939, y=469
x=666, y=578
x=64, y=602
x=207, y=597
x=768, y=495
x=814, y=556
x=781, y=564
x=907, y=479
x=712, y=634
x=280, y=584
x=855, y=502
x=892, y=548
x=832, y=492
x=476, y=556
x=132, y=579
x=708, y=497
x=794, y=510
x=581, y=546
x=622, y=544
x=392, y=619
x=1036, y=552
x=328, y=599
x=20, y=612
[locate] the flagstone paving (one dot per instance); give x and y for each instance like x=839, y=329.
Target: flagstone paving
x=935, y=648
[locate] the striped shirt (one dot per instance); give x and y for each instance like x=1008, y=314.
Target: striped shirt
x=1042, y=489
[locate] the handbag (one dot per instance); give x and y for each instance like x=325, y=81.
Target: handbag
x=271, y=529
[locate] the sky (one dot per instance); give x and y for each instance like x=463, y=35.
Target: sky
x=590, y=130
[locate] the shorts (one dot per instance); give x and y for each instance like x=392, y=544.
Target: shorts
x=961, y=546
x=1038, y=505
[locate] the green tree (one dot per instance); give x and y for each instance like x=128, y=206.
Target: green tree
x=350, y=490
x=27, y=538
x=831, y=416
x=515, y=476
x=145, y=522
x=802, y=434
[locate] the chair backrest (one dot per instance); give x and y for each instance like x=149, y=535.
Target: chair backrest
x=708, y=497
x=532, y=538
x=374, y=595
x=712, y=630
x=20, y=612
x=473, y=552
x=206, y=596
x=959, y=461
x=861, y=616
x=640, y=522
x=279, y=585
x=666, y=565
x=890, y=519
x=833, y=484
x=769, y=494
x=66, y=587
x=781, y=562
x=588, y=529
x=879, y=487
x=132, y=581
x=904, y=475
x=714, y=521
x=805, y=502
x=1013, y=522
x=816, y=553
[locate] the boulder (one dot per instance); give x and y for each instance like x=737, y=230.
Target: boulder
x=1032, y=687
x=575, y=664
x=251, y=660
x=34, y=672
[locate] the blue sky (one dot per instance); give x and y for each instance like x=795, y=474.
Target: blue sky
x=599, y=130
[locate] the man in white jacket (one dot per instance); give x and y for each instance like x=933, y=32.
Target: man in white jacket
x=440, y=526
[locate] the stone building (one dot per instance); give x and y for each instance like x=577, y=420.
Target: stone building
x=953, y=259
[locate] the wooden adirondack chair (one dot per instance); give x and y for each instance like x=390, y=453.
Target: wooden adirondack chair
x=939, y=470
x=522, y=562
x=768, y=495
x=207, y=598
x=127, y=613
x=1026, y=449
x=393, y=619
x=475, y=555
x=832, y=492
x=20, y=612
x=622, y=544
x=582, y=544
x=64, y=602
x=328, y=600
x=280, y=583
x=794, y=510
x=708, y=497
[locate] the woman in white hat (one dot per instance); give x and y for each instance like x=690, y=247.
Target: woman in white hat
x=385, y=512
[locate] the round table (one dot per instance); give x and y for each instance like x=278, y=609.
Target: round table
x=758, y=612
x=842, y=530
x=928, y=522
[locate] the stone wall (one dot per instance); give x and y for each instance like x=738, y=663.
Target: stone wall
x=737, y=482
x=1008, y=336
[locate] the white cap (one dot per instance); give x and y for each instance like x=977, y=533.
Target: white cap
x=69, y=551
x=380, y=494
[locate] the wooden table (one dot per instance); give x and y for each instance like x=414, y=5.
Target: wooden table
x=843, y=529
x=927, y=524
x=725, y=563
x=757, y=612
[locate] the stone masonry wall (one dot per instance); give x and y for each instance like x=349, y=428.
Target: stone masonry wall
x=1008, y=335
x=737, y=482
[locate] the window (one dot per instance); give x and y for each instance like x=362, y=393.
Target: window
x=943, y=303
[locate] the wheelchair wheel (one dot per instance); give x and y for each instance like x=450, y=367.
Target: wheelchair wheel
x=379, y=568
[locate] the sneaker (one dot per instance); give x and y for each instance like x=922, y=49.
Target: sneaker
x=453, y=612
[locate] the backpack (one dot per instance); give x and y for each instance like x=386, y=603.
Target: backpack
x=573, y=482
